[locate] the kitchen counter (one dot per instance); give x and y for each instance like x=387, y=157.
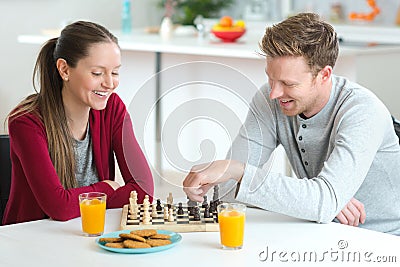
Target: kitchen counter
x=245, y=47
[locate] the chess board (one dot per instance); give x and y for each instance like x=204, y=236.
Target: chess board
x=182, y=223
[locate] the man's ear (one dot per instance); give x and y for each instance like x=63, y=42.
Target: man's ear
x=63, y=68
x=326, y=73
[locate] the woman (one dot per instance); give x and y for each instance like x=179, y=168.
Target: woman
x=64, y=137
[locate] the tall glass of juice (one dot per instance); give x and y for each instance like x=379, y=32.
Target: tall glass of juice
x=93, y=212
x=231, y=218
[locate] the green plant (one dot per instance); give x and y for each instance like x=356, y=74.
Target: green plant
x=185, y=11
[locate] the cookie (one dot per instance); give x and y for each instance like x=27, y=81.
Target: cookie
x=158, y=242
x=144, y=232
x=132, y=237
x=135, y=244
x=115, y=245
x=160, y=236
x=110, y=240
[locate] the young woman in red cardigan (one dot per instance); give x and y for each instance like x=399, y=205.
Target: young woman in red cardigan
x=64, y=137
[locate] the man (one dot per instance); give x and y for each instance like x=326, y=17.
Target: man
x=338, y=136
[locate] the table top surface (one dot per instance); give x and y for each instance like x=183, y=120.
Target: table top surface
x=270, y=239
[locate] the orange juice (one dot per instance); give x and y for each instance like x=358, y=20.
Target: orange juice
x=231, y=227
x=93, y=212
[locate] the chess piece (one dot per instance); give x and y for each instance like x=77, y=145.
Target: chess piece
x=204, y=202
x=133, y=194
x=180, y=209
x=207, y=212
x=159, y=207
x=196, y=213
x=166, y=214
x=170, y=199
x=191, y=211
x=146, y=200
x=171, y=217
x=154, y=211
x=146, y=215
x=216, y=192
x=212, y=206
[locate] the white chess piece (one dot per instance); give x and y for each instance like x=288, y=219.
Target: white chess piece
x=154, y=211
x=146, y=215
x=171, y=217
x=166, y=215
x=170, y=199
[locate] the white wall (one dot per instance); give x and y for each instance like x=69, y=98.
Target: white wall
x=30, y=17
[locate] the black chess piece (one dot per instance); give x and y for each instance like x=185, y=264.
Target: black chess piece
x=204, y=202
x=216, y=192
x=180, y=209
x=207, y=212
x=159, y=207
x=212, y=206
x=191, y=211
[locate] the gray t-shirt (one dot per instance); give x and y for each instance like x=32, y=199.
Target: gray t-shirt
x=86, y=172
x=349, y=149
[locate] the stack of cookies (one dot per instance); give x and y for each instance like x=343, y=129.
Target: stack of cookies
x=145, y=238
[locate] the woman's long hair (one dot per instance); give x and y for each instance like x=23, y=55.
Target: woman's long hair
x=47, y=104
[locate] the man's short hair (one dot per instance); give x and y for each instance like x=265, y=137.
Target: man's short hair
x=303, y=35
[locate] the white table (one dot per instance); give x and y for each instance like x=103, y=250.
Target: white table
x=52, y=243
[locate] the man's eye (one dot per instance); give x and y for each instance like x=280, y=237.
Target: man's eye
x=115, y=73
x=96, y=73
x=288, y=84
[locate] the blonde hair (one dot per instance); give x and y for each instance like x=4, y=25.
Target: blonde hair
x=303, y=35
x=47, y=104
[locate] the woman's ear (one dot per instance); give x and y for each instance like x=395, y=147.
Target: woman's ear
x=63, y=69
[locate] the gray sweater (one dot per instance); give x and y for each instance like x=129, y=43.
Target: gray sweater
x=349, y=149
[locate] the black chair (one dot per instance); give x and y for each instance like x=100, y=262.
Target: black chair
x=5, y=173
x=396, y=125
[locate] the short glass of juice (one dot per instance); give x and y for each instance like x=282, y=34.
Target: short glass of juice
x=93, y=212
x=231, y=218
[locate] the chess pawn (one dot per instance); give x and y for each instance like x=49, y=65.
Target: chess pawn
x=154, y=211
x=133, y=216
x=146, y=217
x=166, y=215
x=171, y=217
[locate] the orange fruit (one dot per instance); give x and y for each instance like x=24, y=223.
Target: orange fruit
x=226, y=21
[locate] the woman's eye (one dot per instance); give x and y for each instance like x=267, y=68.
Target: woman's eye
x=96, y=73
x=115, y=73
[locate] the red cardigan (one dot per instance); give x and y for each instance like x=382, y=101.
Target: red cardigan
x=36, y=191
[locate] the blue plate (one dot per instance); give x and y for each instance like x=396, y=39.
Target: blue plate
x=175, y=239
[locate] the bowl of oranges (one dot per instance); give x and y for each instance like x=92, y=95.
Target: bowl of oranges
x=228, y=30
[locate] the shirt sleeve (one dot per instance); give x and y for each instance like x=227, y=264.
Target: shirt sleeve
x=255, y=143
x=29, y=143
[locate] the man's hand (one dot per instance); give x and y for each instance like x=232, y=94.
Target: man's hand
x=353, y=213
x=202, y=177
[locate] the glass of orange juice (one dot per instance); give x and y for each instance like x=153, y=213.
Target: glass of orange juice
x=231, y=218
x=93, y=212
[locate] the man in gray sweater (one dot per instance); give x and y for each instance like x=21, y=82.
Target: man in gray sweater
x=338, y=136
